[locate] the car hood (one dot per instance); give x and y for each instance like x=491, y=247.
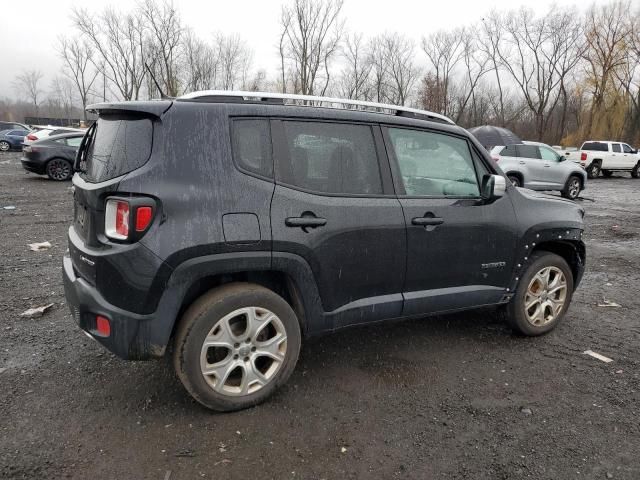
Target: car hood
x=533, y=194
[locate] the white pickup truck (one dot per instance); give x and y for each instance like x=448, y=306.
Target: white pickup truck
x=606, y=157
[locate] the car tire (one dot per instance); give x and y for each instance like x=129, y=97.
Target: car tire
x=607, y=173
x=5, y=146
x=59, y=169
x=572, y=188
x=515, y=180
x=635, y=173
x=547, y=295
x=593, y=170
x=220, y=348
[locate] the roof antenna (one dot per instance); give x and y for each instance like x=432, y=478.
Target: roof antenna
x=153, y=77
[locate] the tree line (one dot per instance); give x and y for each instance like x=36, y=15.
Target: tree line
x=561, y=76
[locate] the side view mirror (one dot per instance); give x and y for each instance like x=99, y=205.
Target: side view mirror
x=493, y=186
x=562, y=158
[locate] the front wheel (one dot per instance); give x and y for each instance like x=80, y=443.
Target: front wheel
x=236, y=345
x=515, y=181
x=59, y=169
x=4, y=146
x=572, y=188
x=542, y=296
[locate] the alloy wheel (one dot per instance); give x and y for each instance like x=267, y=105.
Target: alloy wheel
x=243, y=351
x=545, y=296
x=574, y=188
x=58, y=169
x=4, y=146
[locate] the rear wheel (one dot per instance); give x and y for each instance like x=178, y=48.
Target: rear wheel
x=607, y=173
x=59, y=169
x=635, y=173
x=4, y=146
x=572, y=188
x=543, y=295
x=515, y=180
x=236, y=345
x=593, y=170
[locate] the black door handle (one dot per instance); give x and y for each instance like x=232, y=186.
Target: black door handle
x=427, y=221
x=306, y=221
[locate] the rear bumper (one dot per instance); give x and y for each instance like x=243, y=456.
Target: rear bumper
x=129, y=337
x=35, y=167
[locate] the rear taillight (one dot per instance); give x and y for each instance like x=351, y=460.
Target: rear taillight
x=103, y=326
x=496, y=159
x=583, y=157
x=127, y=219
x=116, y=219
x=31, y=137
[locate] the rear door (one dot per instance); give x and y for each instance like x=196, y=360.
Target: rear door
x=460, y=249
x=334, y=207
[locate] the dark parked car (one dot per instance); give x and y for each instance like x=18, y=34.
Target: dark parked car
x=282, y=221
x=13, y=126
x=11, y=139
x=53, y=156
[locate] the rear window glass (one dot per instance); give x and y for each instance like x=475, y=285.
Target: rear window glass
x=118, y=145
x=252, y=146
x=528, y=151
x=509, y=151
x=595, y=146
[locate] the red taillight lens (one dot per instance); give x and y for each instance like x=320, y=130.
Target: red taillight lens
x=31, y=137
x=116, y=219
x=496, y=159
x=583, y=157
x=143, y=218
x=103, y=326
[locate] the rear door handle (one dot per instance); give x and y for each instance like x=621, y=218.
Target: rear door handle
x=522, y=163
x=427, y=221
x=305, y=221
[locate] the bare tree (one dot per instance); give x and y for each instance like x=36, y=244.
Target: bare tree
x=62, y=95
x=489, y=41
x=201, y=63
x=379, y=69
x=234, y=58
x=118, y=40
x=444, y=50
x=311, y=32
x=28, y=84
x=355, y=80
x=399, y=52
x=164, y=40
x=77, y=56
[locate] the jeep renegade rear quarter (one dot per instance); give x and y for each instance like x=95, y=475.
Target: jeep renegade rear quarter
x=230, y=227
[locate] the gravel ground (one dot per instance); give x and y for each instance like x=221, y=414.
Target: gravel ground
x=446, y=397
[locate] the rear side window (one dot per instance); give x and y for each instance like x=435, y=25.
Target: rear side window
x=528, y=151
x=117, y=145
x=74, y=141
x=616, y=147
x=330, y=158
x=595, y=147
x=509, y=151
x=252, y=146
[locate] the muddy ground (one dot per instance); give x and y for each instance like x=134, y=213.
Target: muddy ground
x=435, y=398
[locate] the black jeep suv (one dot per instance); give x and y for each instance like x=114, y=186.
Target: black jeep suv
x=228, y=226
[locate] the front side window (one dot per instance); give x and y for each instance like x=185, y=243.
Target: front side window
x=548, y=154
x=616, y=147
x=434, y=164
x=626, y=148
x=252, y=145
x=330, y=158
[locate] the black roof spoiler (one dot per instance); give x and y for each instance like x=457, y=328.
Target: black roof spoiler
x=151, y=107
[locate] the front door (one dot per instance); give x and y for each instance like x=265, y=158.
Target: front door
x=550, y=173
x=333, y=208
x=460, y=249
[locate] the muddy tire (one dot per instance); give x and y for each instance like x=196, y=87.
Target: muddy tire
x=593, y=170
x=235, y=346
x=543, y=295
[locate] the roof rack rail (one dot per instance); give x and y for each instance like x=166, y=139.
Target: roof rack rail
x=229, y=96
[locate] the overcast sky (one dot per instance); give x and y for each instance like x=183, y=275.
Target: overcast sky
x=29, y=31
